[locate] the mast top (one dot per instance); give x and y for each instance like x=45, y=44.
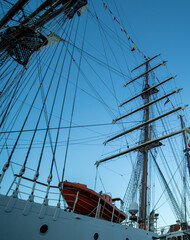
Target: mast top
x=145, y=62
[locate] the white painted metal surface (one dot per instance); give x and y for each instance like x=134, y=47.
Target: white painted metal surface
x=19, y=220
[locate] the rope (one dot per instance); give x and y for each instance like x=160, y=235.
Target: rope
x=73, y=106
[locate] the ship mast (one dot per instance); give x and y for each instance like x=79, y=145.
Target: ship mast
x=147, y=143
x=143, y=200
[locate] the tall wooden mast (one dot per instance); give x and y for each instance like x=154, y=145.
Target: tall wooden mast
x=147, y=143
x=143, y=197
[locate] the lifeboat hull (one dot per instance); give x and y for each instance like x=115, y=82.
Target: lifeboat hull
x=85, y=201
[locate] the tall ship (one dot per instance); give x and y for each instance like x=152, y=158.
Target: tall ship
x=94, y=136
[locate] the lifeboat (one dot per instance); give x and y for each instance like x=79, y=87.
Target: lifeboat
x=85, y=201
x=174, y=227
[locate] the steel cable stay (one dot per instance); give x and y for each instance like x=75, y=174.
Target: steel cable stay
x=106, y=57
x=128, y=24
x=2, y=8
x=175, y=153
x=102, y=63
x=99, y=98
x=99, y=62
x=60, y=120
x=13, y=83
x=171, y=143
x=167, y=168
x=179, y=214
x=53, y=104
x=66, y=127
x=77, y=47
x=113, y=87
x=44, y=98
x=169, y=173
x=5, y=87
x=119, y=42
x=108, y=30
x=6, y=70
x=37, y=144
x=75, y=93
x=102, y=33
x=132, y=187
x=98, y=174
x=73, y=106
x=175, y=187
x=15, y=117
x=12, y=98
x=105, y=54
x=17, y=75
x=23, y=84
x=42, y=109
x=30, y=109
x=14, y=181
x=90, y=84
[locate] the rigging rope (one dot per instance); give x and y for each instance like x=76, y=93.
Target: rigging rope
x=73, y=105
x=123, y=29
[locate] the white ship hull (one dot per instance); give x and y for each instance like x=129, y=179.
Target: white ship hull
x=21, y=222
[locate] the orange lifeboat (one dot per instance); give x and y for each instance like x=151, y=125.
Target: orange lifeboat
x=85, y=201
x=174, y=227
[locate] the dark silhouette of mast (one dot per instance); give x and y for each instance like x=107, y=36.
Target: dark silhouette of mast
x=143, y=200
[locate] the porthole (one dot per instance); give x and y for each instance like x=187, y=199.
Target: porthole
x=44, y=228
x=96, y=236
